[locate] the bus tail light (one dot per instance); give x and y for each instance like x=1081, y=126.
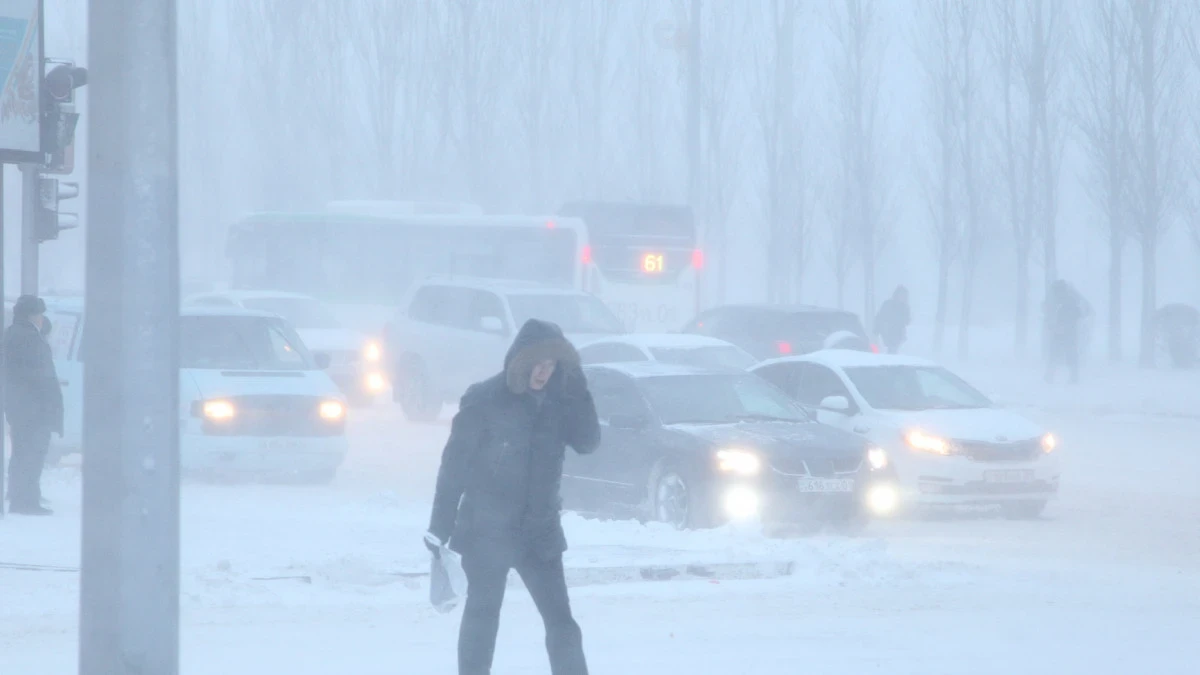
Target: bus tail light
x=586, y=256
x=874, y=348
x=784, y=348
x=698, y=259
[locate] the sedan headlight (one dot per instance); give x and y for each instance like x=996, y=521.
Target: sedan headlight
x=739, y=462
x=877, y=457
x=219, y=410
x=373, y=352
x=332, y=411
x=1049, y=443
x=919, y=440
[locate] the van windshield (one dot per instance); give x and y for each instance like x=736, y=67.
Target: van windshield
x=240, y=343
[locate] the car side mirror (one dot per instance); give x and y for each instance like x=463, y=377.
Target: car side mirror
x=628, y=422
x=837, y=404
x=492, y=324
x=322, y=359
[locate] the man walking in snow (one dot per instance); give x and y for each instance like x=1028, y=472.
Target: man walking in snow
x=891, y=322
x=497, y=499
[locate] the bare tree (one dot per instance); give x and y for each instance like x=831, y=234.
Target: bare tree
x=538, y=34
x=856, y=27
x=651, y=102
x=591, y=86
x=722, y=136
x=786, y=189
x=967, y=76
x=1193, y=210
x=1156, y=130
x=1102, y=115
x=936, y=45
x=473, y=19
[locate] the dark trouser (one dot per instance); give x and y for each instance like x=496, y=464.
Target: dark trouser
x=1063, y=355
x=481, y=615
x=29, y=448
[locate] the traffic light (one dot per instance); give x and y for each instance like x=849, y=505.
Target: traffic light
x=49, y=221
x=59, y=118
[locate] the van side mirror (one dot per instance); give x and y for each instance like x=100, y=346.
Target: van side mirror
x=322, y=359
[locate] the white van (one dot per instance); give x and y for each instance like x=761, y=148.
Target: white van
x=252, y=399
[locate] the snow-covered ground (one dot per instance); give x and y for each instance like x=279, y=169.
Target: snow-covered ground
x=299, y=580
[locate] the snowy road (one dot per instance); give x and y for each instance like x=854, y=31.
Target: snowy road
x=308, y=580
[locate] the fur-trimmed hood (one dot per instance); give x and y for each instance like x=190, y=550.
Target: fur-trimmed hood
x=536, y=341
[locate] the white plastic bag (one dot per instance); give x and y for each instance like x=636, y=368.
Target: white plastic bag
x=447, y=581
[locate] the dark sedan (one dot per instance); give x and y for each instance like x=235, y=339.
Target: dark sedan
x=699, y=448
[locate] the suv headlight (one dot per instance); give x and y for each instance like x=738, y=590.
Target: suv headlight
x=740, y=462
x=373, y=352
x=332, y=411
x=1049, y=443
x=219, y=410
x=877, y=457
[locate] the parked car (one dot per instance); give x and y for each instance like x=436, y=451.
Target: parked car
x=949, y=443
x=676, y=348
x=769, y=331
x=356, y=362
x=697, y=447
x=453, y=332
x=252, y=399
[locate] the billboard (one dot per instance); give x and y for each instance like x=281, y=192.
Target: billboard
x=21, y=74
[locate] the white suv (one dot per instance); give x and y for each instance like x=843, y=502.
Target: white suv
x=453, y=332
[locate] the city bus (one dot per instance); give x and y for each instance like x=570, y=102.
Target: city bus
x=642, y=260
x=361, y=262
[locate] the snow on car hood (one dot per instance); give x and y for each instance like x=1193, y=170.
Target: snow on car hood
x=990, y=425
x=332, y=339
x=778, y=440
x=223, y=383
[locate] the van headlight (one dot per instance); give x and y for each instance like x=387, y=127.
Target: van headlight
x=373, y=352
x=1049, y=443
x=332, y=411
x=219, y=410
x=739, y=462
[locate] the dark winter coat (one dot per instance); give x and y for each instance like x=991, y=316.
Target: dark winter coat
x=32, y=396
x=891, y=322
x=498, y=486
x=1064, y=313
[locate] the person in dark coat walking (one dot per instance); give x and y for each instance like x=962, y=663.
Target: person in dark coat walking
x=497, y=499
x=33, y=403
x=1065, y=312
x=891, y=322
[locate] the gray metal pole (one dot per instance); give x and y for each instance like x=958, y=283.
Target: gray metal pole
x=3, y=435
x=129, y=594
x=29, y=243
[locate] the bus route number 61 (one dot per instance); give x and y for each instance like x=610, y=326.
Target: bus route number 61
x=652, y=263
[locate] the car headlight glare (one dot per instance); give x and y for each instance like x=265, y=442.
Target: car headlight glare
x=219, y=410
x=332, y=411
x=877, y=457
x=373, y=352
x=919, y=440
x=738, y=462
x=375, y=383
x=1049, y=443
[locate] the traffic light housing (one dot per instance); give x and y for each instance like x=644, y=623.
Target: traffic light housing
x=49, y=221
x=59, y=118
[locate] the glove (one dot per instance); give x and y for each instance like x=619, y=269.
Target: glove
x=433, y=544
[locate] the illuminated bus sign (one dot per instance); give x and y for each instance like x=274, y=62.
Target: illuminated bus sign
x=653, y=263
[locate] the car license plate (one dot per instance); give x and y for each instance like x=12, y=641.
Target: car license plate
x=1008, y=476
x=827, y=485
x=277, y=444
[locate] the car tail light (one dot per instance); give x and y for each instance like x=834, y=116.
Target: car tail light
x=874, y=348
x=784, y=348
x=698, y=259
x=586, y=256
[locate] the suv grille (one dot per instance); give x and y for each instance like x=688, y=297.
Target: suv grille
x=275, y=415
x=1019, y=451
x=819, y=468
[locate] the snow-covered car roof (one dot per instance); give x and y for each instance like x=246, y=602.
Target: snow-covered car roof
x=663, y=341
x=502, y=286
x=238, y=296
x=852, y=358
x=648, y=369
